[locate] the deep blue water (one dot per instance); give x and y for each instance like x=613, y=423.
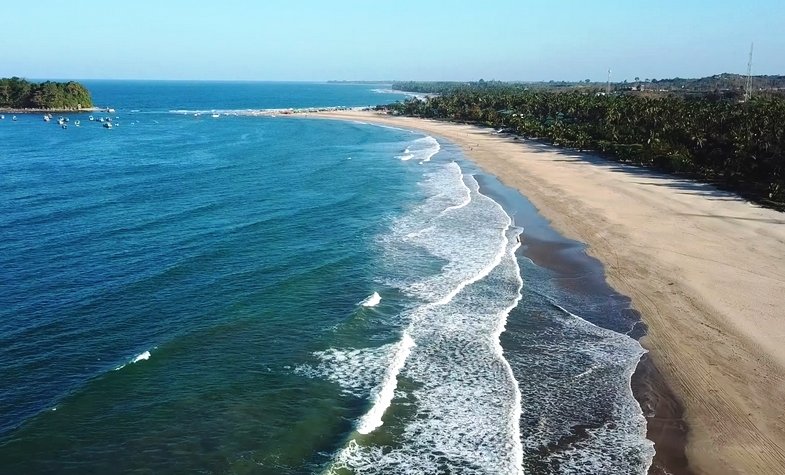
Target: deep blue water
x=201, y=95
x=286, y=295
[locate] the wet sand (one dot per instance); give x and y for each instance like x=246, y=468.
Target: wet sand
x=706, y=271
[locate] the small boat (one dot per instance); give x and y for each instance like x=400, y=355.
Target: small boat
x=107, y=125
x=13, y=118
x=215, y=116
x=77, y=123
x=2, y=117
x=101, y=119
x=65, y=126
x=91, y=118
x=46, y=118
x=110, y=110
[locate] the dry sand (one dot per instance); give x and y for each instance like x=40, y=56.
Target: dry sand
x=705, y=269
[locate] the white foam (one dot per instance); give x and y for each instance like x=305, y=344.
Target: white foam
x=515, y=419
x=384, y=394
x=415, y=95
x=383, y=126
x=628, y=429
x=479, y=275
x=140, y=357
x=273, y=112
x=430, y=147
x=465, y=202
x=467, y=401
x=357, y=371
x=421, y=149
x=579, y=392
x=465, y=398
x=372, y=300
x=469, y=236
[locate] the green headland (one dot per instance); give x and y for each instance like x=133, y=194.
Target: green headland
x=20, y=94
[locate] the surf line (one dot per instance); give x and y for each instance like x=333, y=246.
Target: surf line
x=384, y=395
x=373, y=418
x=514, y=422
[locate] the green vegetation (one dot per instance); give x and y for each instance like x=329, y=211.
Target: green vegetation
x=737, y=146
x=728, y=86
x=16, y=93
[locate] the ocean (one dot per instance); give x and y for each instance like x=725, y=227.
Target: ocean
x=271, y=294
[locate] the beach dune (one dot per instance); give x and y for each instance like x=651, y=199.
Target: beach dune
x=705, y=268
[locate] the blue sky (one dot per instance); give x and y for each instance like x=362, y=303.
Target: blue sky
x=402, y=39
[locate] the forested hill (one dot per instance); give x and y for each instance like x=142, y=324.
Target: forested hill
x=17, y=93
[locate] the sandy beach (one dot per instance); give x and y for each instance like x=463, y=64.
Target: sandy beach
x=705, y=269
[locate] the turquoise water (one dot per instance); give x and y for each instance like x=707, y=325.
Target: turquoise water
x=287, y=295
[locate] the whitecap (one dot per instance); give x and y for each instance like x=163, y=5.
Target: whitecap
x=140, y=357
x=372, y=300
x=384, y=394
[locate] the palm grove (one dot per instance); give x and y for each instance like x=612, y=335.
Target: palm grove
x=738, y=146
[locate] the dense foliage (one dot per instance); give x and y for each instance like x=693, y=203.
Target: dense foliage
x=18, y=93
x=738, y=146
x=725, y=85
x=446, y=87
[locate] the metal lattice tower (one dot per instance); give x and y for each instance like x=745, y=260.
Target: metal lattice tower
x=748, y=84
x=608, y=86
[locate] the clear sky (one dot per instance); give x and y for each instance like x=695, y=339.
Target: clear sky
x=391, y=39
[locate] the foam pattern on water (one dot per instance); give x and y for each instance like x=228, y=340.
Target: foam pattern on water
x=458, y=403
x=421, y=150
x=356, y=371
x=444, y=398
x=580, y=416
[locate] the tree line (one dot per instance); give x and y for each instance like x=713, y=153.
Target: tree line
x=737, y=146
x=17, y=93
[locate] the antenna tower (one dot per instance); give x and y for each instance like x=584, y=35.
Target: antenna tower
x=748, y=84
x=608, y=85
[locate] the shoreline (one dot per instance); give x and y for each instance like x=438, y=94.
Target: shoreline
x=713, y=316
x=566, y=259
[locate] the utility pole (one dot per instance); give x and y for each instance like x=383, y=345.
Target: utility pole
x=608, y=86
x=748, y=85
